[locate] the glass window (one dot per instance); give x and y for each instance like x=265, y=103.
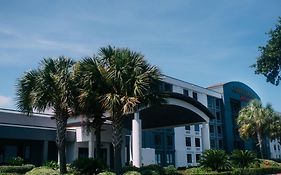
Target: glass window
x=194, y=95
x=188, y=141
x=217, y=103
x=212, y=143
x=219, y=130
x=158, y=158
x=169, y=158
x=197, y=157
x=187, y=127
x=218, y=115
x=274, y=147
x=189, y=158
x=220, y=144
x=157, y=139
x=185, y=92
x=196, y=127
x=211, y=128
x=197, y=142
x=170, y=140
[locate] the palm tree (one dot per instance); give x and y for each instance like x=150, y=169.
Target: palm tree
x=50, y=86
x=243, y=159
x=254, y=121
x=91, y=84
x=133, y=82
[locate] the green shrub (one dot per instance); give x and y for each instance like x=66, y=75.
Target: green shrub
x=42, y=170
x=107, y=173
x=243, y=159
x=51, y=164
x=170, y=170
x=16, y=169
x=217, y=160
x=149, y=172
x=130, y=168
x=264, y=163
x=16, y=161
x=132, y=173
x=153, y=169
x=88, y=166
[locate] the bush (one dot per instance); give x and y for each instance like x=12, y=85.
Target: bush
x=16, y=169
x=217, y=160
x=264, y=163
x=51, y=164
x=16, y=161
x=107, y=173
x=132, y=173
x=170, y=170
x=42, y=170
x=243, y=159
x=154, y=169
x=88, y=166
x=130, y=168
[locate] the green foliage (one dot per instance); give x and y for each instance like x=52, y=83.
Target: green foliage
x=269, y=62
x=88, y=166
x=16, y=169
x=264, y=163
x=16, y=161
x=107, y=173
x=153, y=169
x=51, y=164
x=243, y=159
x=132, y=173
x=216, y=160
x=42, y=170
x=170, y=170
x=130, y=168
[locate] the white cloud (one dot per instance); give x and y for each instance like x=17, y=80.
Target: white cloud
x=5, y=101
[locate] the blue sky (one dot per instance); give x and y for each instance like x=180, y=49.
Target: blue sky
x=201, y=42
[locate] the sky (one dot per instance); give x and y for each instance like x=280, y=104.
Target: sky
x=201, y=42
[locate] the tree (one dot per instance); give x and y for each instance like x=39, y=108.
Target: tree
x=243, y=159
x=269, y=62
x=217, y=160
x=133, y=82
x=254, y=121
x=91, y=84
x=50, y=86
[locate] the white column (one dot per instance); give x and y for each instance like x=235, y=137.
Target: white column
x=205, y=136
x=45, y=151
x=91, y=144
x=136, y=139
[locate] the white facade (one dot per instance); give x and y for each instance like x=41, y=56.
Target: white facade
x=190, y=141
x=275, y=149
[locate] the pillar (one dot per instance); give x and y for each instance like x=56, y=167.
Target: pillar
x=136, y=140
x=91, y=144
x=205, y=136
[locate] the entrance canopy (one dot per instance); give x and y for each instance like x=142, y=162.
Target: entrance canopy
x=179, y=110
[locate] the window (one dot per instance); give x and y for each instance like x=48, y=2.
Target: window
x=166, y=87
x=220, y=144
x=189, y=158
x=194, y=95
x=83, y=152
x=196, y=127
x=218, y=115
x=170, y=140
x=187, y=127
x=197, y=157
x=219, y=130
x=158, y=158
x=157, y=139
x=188, y=141
x=169, y=158
x=217, y=103
x=274, y=147
x=197, y=142
x=212, y=129
x=212, y=143
x=185, y=92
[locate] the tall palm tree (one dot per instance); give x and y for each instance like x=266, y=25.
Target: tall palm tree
x=50, y=86
x=254, y=121
x=91, y=85
x=133, y=82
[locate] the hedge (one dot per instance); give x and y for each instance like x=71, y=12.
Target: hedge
x=16, y=169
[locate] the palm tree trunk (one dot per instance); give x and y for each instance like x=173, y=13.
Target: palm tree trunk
x=117, y=143
x=259, y=136
x=60, y=140
x=98, y=142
